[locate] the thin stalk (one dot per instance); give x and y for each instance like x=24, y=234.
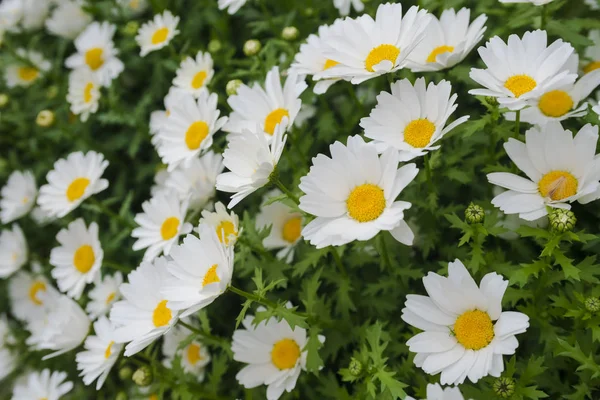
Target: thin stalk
x=428, y=172
x=518, y=124
x=384, y=251
x=285, y=190
x=253, y=297
x=221, y=341
x=338, y=261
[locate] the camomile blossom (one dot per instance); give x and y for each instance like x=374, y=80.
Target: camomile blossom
x=226, y=225
x=436, y=392
x=30, y=294
x=96, y=52
x=143, y=315
x=522, y=69
x=157, y=33
x=160, y=180
x=11, y=12
x=19, y=73
x=8, y=357
x=592, y=53
x=200, y=270
x=447, y=41
x=161, y=224
x=134, y=7
x=194, y=74
x=68, y=19
x=159, y=117
x=343, y=6
x=103, y=295
x=84, y=93
x=13, y=250
x=534, y=2
x=17, y=196
x=412, y=119
x=78, y=259
x=365, y=47
x=232, y=6
x=465, y=333
x=26, y=14
x=353, y=195
x=72, y=180
x=194, y=355
x=42, y=385
x=560, y=169
x=189, y=128
x=100, y=354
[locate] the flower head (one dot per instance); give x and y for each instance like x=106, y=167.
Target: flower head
x=13, y=250
x=18, y=196
x=158, y=33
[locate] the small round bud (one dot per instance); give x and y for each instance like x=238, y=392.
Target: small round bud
x=592, y=304
x=309, y=11
x=3, y=99
x=214, y=46
x=121, y=396
x=252, y=47
x=131, y=28
x=52, y=92
x=491, y=100
x=125, y=373
x=142, y=376
x=355, y=367
x=504, y=387
x=290, y=33
x=562, y=220
x=233, y=86
x=45, y=118
x=474, y=214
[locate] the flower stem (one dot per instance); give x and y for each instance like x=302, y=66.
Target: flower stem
x=428, y=172
x=338, y=261
x=252, y=296
x=288, y=193
x=518, y=124
x=117, y=267
x=217, y=340
x=384, y=251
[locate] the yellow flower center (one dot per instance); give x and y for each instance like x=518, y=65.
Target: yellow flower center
x=196, y=133
x=380, y=53
x=87, y=92
x=108, y=351
x=110, y=297
x=28, y=74
x=162, y=314
x=437, y=51
x=366, y=202
x=224, y=230
x=34, y=290
x=134, y=4
x=285, y=354
x=211, y=276
x=474, y=329
x=84, y=258
x=199, y=79
x=25, y=200
x=555, y=103
x=329, y=63
x=169, y=228
x=193, y=353
x=558, y=185
x=77, y=188
x=418, y=133
x=153, y=397
x=520, y=84
x=160, y=35
x=594, y=65
x=275, y=118
x=93, y=58
x=292, y=229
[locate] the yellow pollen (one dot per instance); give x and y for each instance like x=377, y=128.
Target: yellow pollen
x=211, y=276
x=93, y=58
x=418, y=133
x=28, y=74
x=110, y=297
x=84, y=258
x=474, y=329
x=591, y=67
x=292, y=229
x=77, y=188
x=196, y=133
x=33, y=292
x=153, y=397
x=162, y=314
x=169, y=228
x=285, y=354
x=555, y=103
x=224, y=230
x=558, y=185
x=25, y=200
x=366, y=202
x=520, y=84
x=108, y=351
x=193, y=354
x=160, y=35
x=87, y=92
x=134, y=4
x=275, y=118
x=329, y=63
x=380, y=53
x=437, y=51
x=199, y=79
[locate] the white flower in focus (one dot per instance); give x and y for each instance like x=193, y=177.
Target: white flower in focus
x=84, y=93
x=157, y=33
x=103, y=295
x=68, y=20
x=194, y=356
x=194, y=74
x=232, y=6
x=227, y=226
x=18, y=196
x=344, y=6
x=21, y=74
x=13, y=250
x=42, y=385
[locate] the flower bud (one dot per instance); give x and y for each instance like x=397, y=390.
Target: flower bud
x=233, y=86
x=3, y=99
x=252, y=47
x=355, y=367
x=592, y=304
x=562, y=220
x=214, y=46
x=504, y=387
x=131, y=28
x=52, y=92
x=121, y=396
x=125, y=373
x=491, y=100
x=45, y=118
x=142, y=376
x=474, y=214
x=290, y=33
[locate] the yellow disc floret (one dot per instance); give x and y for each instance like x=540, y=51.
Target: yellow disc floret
x=555, y=103
x=160, y=35
x=108, y=350
x=199, y=79
x=84, y=258
x=169, y=228
x=594, y=65
x=77, y=188
x=275, y=118
x=474, y=329
x=366, y=202
x=418, y=133
x=211, y=276
x=161, y=315
x=285, y=353
x=437, y=51
x=225, y=230
x=292, y=229
x=558, y=185
x=94, y=58
x=193, y=353
x=34, y=290
x=520, y=84
x=28, y=74
x=381, y=53
x=329, y=63
x=196, y=133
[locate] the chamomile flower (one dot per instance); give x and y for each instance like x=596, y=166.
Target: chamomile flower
x=267, y=107
x=100, y=354
x=104, y=294
x=68, y=20
x=227, y=226
x=365, y=47
x=523, y=69
x=13, y=250
x=250, y=159
x=534, y=2
x=460, y=338
x=189, y=129
x=30, y=294
x=194, y=356
x=42, y=385
x=84, y=93
x=343, y=6
x=160, y=179
x=96, y=52
x=72, y=180
x=194, y=74
x=134, y=7
x=161, y=224
x=26, y=14
x=156, y=34
x=448, y=41
x=412, y=119
x=8, y=359
x=21, y=74
x=18, y=196
x=143, y=315
x=232, y=6
x=592, y=53
x=285, y=223
x=159, y=117
x=353, y=195
x=436, y=392
x=11, y=12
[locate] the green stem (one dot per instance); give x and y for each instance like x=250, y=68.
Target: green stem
x=518, y=124
x=338, y=261
x=428, y=172
x=384, y=251
x=252, y=297
x=217, y=340
x=254, y=248
x=111, y=213
x=117, y=267
x=288, y=193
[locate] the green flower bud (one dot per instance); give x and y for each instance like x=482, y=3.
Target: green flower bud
x=592, y=304
x=3, y=99
x=491, y=100
x=252, y=47
x=214, y=46
x=45, y=118
x=131, y=28
x=142, y=376
x=52, y=92
x=121, y=396
x=562, y=220
x=125, y=373
x=504, y=387
x=309, y=11
x=290, y=33
x=474, y=214
x=233, y=86
x=355, y=367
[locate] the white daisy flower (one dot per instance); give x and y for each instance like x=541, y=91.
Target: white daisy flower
x=226, y=226
x=11, y=12
x=447, y=41
x=593, y=4
x=523, y=69
x=84, y=93
x=534, y=2
x=13, y=250
x=365, y=47
x=97, y=53
x=232, y=6
x=134, y=7
x=460, y=338
x=353, y=195
x=72, y=180
x=29, y=14
x=143, y=315
x=158, y=118
x=158, y=33
x=161, y=224
x=285, y=223
x=592, y=53
x=42, y=385
x=20, y=74
x=8, y=359
x=68, y=20
x=40, y=217
x=100, y=354
x=78, y=259
x=189, y=129
x=30, y=294
x=193, y=75
x=18, y=196
x=560, y=168
x=343, y=6
x=250, y=159
x=104, y=294
x=267, y=107
x=418, y=112
x=160, y=179
x=194, y=356
x=436, y=392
